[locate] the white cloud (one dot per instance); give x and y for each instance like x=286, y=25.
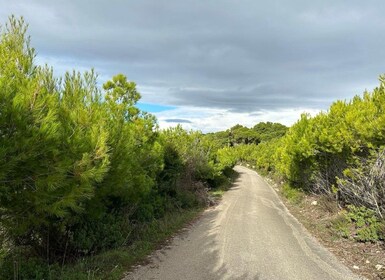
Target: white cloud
x=245, y=62
x=211, y=120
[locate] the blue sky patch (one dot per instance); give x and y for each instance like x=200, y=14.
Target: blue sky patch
x=154, y=108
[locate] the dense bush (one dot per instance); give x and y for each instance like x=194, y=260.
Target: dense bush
x=358, y=223
x=364, y=183
x=366, y=225
x=269, y=131
x=339, y=152
x=262, y=156
x=239, y=135
x=81, y=168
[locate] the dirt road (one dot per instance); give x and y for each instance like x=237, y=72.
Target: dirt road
x=249, y=235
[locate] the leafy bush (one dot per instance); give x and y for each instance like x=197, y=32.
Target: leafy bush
x=294, y=195
x=95, y=234
x=364, y=184
x=359, y=223
x=81, y=166
x=342, y=225
x=17, y=266
x=367, y=226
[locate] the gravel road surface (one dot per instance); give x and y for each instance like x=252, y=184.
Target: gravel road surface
x=249, y=235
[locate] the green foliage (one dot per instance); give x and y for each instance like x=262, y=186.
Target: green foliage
x=53, y=143
x=106, y=265
x=82, y=168
x=27, y=268
x=94, y=235
x=341, y=225
x=194, y=151
x=238, y=135
x=226, y=157
x=269, y=131
x=294, y=195
x=359, y=223
x=363, y=183
x=297, y=151
x=338, y=152
x=329, y=142
x=367, y=227
x=242, y=135
x=218, y=139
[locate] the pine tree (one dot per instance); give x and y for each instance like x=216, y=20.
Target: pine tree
x=52, y=142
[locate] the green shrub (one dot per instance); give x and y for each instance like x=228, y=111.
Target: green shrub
x=341, y=225
x=359, y=223
x=187, y=200
x=294, y=195
x=367, y=226
x=96, y=234
x=18, y=266
x=81, y=167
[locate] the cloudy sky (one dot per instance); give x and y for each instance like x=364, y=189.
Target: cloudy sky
x=212, y=64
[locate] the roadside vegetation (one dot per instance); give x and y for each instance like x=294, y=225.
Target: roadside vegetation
x=338, y=154
x=330, y=168
x=88, y=183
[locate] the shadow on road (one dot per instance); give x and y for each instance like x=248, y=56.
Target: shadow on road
x=199, y=245
x=249, y=235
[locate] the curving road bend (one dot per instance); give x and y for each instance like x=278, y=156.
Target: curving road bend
x=249, y=235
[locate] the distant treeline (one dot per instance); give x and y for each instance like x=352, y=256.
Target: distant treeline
x=238, y=134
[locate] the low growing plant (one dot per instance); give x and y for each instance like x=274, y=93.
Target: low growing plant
x=292, y=194
x=367, y=227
